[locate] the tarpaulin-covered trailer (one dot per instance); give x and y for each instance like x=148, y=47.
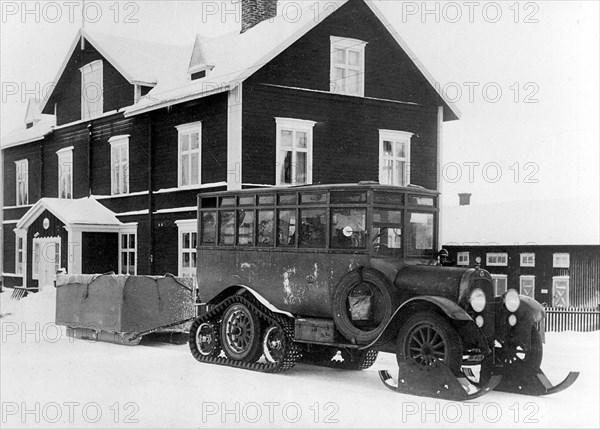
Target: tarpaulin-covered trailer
x=120, y=308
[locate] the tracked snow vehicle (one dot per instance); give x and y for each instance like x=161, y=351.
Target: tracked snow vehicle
x=333, y=275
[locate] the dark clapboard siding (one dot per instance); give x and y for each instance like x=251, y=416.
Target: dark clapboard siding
x=389, y=72
x=118, y=92
x=346, y=136
x=102, y=131
x=30, y=152
x=583, y=272
x=212, y=112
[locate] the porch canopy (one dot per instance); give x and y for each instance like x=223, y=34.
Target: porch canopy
x=77, y=217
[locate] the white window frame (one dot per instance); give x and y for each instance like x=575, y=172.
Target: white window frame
x=526, y=278
x=496, y=278
x=118, y=167
x=561, y=260
x=21, y=267
x=22, y=176
x=186, y=227
x=182, y=131
x=462, y=259
x=347, y=45
x=128, y=230
x=527, y=259
x=401, y=137
x=557, y=279
x=65, y=157
x=295, y=126
x=96, y=67
x=490, y=262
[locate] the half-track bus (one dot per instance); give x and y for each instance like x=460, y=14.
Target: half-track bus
x=334, y=274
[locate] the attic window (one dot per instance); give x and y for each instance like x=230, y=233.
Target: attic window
x=199, y=75
x=347, y=66
x=92, y=90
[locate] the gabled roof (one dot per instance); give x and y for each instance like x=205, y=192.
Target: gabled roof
x=138, y=61
x=536, y=222
x=237, y=56
x=82, y=212
x=22, y=135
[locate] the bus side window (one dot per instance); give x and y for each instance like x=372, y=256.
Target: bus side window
x=245, y=227
x=226, y=228
x=266, y=223
x=286, y=228
x=209, y=228
x=348, y=228
x=314, y=225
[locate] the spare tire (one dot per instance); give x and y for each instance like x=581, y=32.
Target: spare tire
x=363, y=325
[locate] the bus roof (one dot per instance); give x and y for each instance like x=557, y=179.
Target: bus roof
x=413, y=189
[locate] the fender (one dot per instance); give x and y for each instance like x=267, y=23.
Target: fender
x=240, y=289
x=529, y=314
x=450, y=308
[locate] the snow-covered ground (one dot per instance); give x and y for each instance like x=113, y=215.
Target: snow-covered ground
x=50, y=380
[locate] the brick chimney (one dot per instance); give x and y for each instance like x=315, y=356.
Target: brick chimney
x=464, y=199
x=256, y=11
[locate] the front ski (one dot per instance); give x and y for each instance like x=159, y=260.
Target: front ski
x=533, y=383
x=435, y=381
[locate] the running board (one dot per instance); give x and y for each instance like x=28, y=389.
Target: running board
x=435, y=381
x=534, y=384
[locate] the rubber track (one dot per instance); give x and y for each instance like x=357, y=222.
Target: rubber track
x=283, y=322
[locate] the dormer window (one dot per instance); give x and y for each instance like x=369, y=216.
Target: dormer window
x=92, y=90
x=198, y=67
x=348, y=66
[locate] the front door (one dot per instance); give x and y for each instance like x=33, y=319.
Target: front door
x=49, y=260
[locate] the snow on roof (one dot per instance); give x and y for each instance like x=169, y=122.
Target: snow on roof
x=84, y=211
x=23, y=135
x=541, y=222
x=139, y=61
x=236, y=56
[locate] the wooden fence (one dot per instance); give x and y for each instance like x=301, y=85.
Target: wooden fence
x=560, y=319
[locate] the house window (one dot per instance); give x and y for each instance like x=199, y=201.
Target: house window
x=188, y=238
x=527, y=286
x=92, y=90
x=496, y=259
x=560, y=291
x=65, y=173
x=561, y=260
x=500, y=284
x=294, y=151
x=347, y=66
x=127, y=263
x=20, y=251
x=528, y=259
x=394, y=157
x=22, y=180
x=119, y=165
x=190, y=154
x=462, y=258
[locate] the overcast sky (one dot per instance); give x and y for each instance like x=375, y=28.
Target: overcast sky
x=525, y=76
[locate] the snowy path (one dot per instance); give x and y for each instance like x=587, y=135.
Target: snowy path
x=49, y=380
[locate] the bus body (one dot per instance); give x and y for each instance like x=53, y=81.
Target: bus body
x=313, y=272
